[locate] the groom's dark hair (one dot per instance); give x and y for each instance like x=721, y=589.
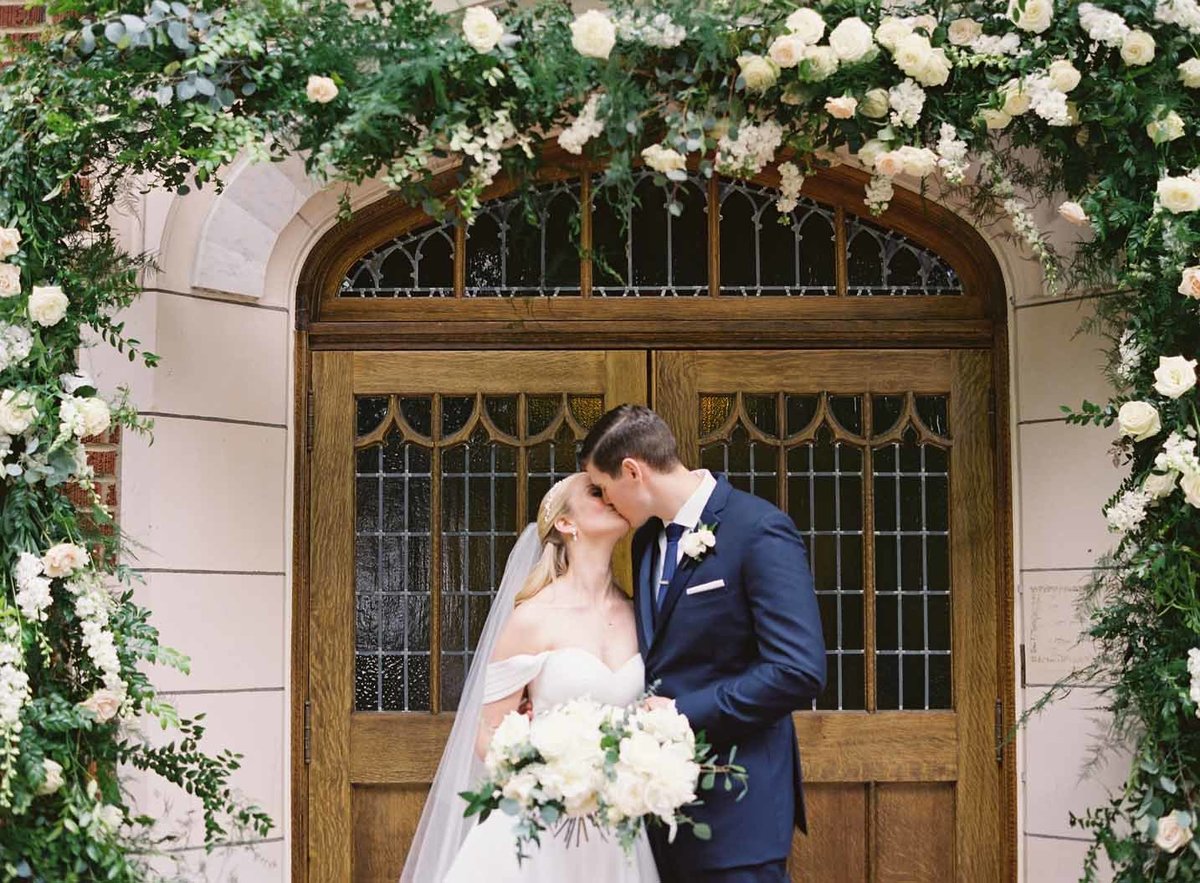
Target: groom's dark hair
x=630, y=431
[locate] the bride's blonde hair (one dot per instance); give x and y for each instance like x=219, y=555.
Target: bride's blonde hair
x=553, y=563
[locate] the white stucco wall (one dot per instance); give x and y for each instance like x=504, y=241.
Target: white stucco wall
x=212, y=498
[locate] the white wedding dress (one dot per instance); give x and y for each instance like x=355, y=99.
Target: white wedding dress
x=489, y=855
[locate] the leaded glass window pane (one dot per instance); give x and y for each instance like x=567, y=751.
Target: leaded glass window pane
x=418, y=264
x=884, y=262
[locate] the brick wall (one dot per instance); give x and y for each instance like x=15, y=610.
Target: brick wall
x=20, y=19
x=104, y=456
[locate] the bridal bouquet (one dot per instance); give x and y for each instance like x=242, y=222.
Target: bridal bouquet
x=613, y=766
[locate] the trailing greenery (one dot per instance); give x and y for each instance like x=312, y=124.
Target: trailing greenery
x=1002, y=107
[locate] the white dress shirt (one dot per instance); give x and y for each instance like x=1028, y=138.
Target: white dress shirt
x=689, y=516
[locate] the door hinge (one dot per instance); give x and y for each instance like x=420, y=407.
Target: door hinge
x=1023, y=665
x=999, y=731
x=992, y=403
x=307, y=731
x=310, y=419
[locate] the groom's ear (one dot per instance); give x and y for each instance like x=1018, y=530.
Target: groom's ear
x=635, y=470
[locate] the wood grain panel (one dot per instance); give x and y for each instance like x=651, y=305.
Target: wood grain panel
x=921, y=371
x=397, y=747
x=466, y=373
x=385, y=819
x=888, y=746
x=625, y=383
x=835, y=849
x=331, y=617
x=914, y=835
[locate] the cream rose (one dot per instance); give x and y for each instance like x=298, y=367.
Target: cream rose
x=994, y=119
x=806, y=24
x=593, y=34
x=890, y=163
x=663, y=159
x=1181, y=194
x=10, y=280
x=963, y=31
x=891, y=31
x=1139, y=420
x=1064, y=76
x=1017, y=99
x=1174, y=376
x=822, y=60
x=94, y=415
x=481, y=29
x=918, y=161
x=874, y=104
x=1189, y=286
x=1137, y=49
x=936, y=70
x=47, y=305
x=1190, y=485
x=1189, y=73
x=54, y=777
x=1160, y=484
x=1073, y=212
x=1035, y=17
x=851, y=39
x=912, y=54
x=1165, y=128
x=320, y=89
x=64, y=559
x=786, y=50
x=871, y=151
x=10, y=241
x=841, y=108
x=17, y=411
x=103, y=703
x=759, y=72
x=1171, y=836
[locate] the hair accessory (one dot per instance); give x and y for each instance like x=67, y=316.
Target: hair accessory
x=550, y=502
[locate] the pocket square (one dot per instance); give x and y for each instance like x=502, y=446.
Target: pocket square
x=705, y=587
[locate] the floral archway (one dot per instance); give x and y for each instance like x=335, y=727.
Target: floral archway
x=1091, y=107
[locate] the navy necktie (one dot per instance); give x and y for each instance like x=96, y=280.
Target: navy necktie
x=674, y=532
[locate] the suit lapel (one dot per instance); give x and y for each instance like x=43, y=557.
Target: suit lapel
x=645, y=594
x=687, y=564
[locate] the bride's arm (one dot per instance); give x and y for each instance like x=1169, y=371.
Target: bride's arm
x=519, y=637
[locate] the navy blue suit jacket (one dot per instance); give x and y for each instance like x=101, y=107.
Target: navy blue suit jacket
x=737, y=659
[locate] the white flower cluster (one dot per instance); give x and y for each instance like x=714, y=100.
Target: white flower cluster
x=1193, y=666
x=656, y=772
x=16, y=342
x=751, y=151
x=1179, y=193
x=82, y=416
x=1101, y=25
x=484, y=148
x=790, y=182
x=1129, y=355
x=10, y=274
x=584, y=128
x=906, y=100
x=995, y=45
x=1128, y=511
x=952, y=154
x=659, y=30
x=33, y=586
x=94, y=605
x=666, y=160
x=14, y=683
x=1185, y=13
x=880, y=191
x=1176, y=462
x=593, y=34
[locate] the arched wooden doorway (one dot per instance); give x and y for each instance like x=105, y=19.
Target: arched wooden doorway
x=846, y=368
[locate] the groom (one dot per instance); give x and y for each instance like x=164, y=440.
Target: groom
x=730, y=630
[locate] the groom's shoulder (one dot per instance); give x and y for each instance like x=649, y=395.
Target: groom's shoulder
x=750, y=507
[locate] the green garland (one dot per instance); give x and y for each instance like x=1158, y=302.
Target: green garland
x=1097, y=103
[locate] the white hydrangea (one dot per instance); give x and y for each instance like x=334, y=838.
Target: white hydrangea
x=659, y=30
x=587, y=125
x=995, y=45
x=1129, y=355
x=907, y=99
x=1128, y=511
x=1101, y=25
x=33, y=588
x=1185, y=13
x=952, y=154
x=752, y=150
x=790, y=182
x=16, y=342
x=1047, y=101
x=1178, y=454
x=880, y=191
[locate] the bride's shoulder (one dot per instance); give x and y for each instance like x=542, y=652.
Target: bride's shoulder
x=524, y=632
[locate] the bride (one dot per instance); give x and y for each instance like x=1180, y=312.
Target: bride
x=559, y=629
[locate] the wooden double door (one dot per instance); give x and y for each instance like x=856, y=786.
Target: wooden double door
x=425, y=466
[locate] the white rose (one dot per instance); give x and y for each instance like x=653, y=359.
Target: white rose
x=1035, y=17
x=786, y=50
x=1189, y=73
x=320, y=89
x=1160, y=484
x=1137, y=48
x=10, y=280
x=54, y=777
x=47, y=305
x=1174, y=376
x=663, y=159
x=891, y=31
x=1190, y=284
x=521, y=787
x=890, y=163
x=1073, y=212
x=1171, y=836
x=759, y=72
x=851, y=39
x=841, y=108
x=103, y=703
x=1138, y=419
x=926, y=23
x=690, y=545
x=936, y=70
x=964, y=30
x=94, y=415
x=918, y=161
x=1064, y=76
x=1166, y=128
x=593, y=34
x=871, y=151
x=666, y=724
x=64, y=559
x=1190, y=485
x=994, y=119
x=1017, y=99
x=823, y=61
x=17, y=411
x=481, y=29
x=10, y=241
x=110, y=816
x=626, y=793
x=1181, y=194
x=806, y=24
x=874, y=104
x=912, y=53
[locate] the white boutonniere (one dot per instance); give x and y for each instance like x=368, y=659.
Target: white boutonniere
x=696, y=542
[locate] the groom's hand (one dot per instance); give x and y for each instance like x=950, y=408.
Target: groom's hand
x=653, y=702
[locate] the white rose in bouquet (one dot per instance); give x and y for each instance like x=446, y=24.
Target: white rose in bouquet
x=1165, y=128
x=320, y=90
x=1179, y=194
x=10, y=280
x=1017, y=99
x=823, y=62
x=103, y=703
x=1137, y=49
x=64, y=559
x=891, y=31
x=1174, y=376
x=841, y=108
x=1189, y=285
x=787, y=50
x=54, y=777
x=1190, y=485
x=481, y=29
x=593, y=34
x=874, y=104
x=47, y=305
x=1064, y=76
x=1073, y=212
x=963, y=31
x=1189, y=73
x=665, y=724
x=10, y=241
x=1160, y=484
x=1139, y=420
x=1034, y=17
x=1172, y=836
x=759, y=72
x=806, y=24
x=852, y=39
x=994, y=119
x=17, y=411
x=663, y=159
x=508, y=741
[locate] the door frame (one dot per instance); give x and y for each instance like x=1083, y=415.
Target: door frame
x=737, y=329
